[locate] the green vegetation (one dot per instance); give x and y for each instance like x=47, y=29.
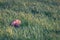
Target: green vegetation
x=40, y=19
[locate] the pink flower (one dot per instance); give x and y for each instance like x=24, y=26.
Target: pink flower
x=16, y=23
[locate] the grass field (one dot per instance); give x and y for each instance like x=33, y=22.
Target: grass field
x=40, y=19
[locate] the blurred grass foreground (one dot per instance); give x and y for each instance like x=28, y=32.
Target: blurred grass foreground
x=40, y=19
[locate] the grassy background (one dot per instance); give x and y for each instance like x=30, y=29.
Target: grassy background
x=40, y=19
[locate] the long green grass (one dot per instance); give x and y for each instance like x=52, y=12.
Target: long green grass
x=40, y=19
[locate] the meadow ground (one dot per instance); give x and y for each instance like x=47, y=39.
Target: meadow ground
x=40, y=19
